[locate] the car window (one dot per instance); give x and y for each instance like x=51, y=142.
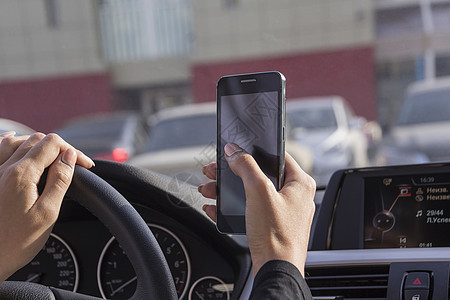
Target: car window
x=312, y=118
x=183, y=132
x=98, y=128
x=426, y=108
x=97, y=135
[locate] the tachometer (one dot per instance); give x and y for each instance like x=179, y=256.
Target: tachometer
x=55, y=265
x=116, y=277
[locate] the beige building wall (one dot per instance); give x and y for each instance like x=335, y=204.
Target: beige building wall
x=257, y=28
x=32, y=47
x=268, y=27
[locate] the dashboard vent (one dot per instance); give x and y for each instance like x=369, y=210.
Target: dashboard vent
x=349, y=282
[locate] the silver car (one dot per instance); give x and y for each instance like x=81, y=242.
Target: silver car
x=334, y=133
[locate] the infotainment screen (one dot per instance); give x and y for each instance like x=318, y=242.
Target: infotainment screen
x=407, y=211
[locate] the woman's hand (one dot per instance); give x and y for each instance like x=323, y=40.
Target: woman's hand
x=27, y=218
x=277, y=222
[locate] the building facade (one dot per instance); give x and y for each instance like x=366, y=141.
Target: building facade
x=102, y=55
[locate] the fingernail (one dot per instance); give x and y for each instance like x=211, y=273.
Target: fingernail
x=204, y=170
x=8, y=134
x=69, y=157
x=90, y=160
x=231, y=149
x=200, y=187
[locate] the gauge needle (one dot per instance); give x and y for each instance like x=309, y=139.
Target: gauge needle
x=199, y=295
x=123, y=285
x=34, y=277
x=392, y=206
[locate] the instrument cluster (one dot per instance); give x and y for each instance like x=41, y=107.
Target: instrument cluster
x=82, y=256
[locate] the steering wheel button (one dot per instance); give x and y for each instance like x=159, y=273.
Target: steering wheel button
x=417, y=281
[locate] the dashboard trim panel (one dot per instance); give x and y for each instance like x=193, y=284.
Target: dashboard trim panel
x=375, y=256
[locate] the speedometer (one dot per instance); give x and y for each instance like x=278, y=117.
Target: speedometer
x=116, y=277
x=55, y=265
x=210, y=288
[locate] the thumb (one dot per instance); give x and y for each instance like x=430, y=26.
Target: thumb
x=58, y=180
x=244, y=165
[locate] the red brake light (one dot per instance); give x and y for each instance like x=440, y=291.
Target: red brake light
x=120, y=155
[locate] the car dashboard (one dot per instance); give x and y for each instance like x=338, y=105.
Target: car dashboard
x=378, y=233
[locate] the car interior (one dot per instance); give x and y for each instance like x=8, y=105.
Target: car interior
x=382, y=223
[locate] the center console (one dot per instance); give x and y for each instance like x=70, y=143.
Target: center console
x=395, y=220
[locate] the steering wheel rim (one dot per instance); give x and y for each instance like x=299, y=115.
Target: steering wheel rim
x=154, y=280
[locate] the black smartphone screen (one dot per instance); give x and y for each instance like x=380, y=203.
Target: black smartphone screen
x=250, y=109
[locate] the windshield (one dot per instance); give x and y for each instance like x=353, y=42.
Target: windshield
x=426, y=108
x=96, y=135
x=312, y=118
x=65, y=60
x=96, y=128
x=183, y=132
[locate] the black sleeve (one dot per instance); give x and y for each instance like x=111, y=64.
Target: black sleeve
x=278, y=279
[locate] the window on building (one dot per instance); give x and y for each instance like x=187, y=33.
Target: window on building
x=443, y=65
x=441, y=16
x=53, y=14
x=394, y=22
x=145, y=29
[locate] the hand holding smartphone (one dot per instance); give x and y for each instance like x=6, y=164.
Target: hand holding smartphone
x=251, y=114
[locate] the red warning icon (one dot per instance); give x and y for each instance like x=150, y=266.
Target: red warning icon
x=417, y=281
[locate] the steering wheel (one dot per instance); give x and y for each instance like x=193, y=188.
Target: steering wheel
x=154, y=280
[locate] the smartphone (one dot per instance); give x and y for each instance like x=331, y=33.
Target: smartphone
x=250, y=113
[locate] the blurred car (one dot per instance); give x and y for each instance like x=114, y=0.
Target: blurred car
x=10, y=125
x=111, y=136
x=421, y=132
x=183, y=139
x=334, y=133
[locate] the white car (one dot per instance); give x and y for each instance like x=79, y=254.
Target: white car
x=329, y=127
x=183, y=139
